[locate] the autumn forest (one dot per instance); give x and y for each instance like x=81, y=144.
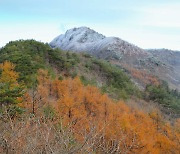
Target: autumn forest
x=52, y=101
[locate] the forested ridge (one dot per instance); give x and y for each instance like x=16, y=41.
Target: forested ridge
x=61, y=102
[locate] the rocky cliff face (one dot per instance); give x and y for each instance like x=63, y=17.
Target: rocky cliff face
x=122, y=53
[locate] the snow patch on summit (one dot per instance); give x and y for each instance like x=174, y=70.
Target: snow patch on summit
x=77, y=39
x=87, y=40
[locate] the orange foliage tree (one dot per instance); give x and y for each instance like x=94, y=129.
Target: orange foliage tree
x=11, y=92
x=118, y=127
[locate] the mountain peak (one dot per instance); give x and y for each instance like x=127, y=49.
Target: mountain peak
x=74, y=38
x=87, y=40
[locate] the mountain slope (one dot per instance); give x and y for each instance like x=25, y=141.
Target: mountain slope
x=29, y=56
x=119, y=52
x=64, y=116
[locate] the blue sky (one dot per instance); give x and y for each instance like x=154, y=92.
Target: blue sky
x=147, y=24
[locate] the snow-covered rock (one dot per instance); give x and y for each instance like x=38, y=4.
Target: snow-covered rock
x=84, y=39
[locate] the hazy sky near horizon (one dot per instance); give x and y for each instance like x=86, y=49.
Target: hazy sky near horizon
x=147, y=24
